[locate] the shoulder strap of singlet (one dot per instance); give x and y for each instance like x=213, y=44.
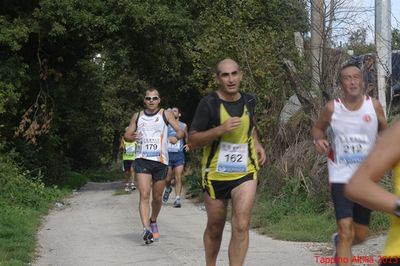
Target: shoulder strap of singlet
x=137, y=118
x=164, y=117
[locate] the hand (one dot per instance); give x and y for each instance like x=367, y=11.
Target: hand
x=231, y=124
x=186, y=148
x=173, y=140
x=262, y=157
x=136, y=135
x=321, y=146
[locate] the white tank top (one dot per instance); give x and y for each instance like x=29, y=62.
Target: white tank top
x=153, y=142
x=353, y=134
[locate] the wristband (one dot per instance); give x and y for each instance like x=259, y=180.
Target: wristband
x=397, y=209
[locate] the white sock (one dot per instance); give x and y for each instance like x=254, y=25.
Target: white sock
x=177, y=197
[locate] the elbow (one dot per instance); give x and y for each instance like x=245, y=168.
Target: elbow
x=128, y=137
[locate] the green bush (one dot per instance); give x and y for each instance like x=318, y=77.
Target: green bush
x=74, y=180
x=103, y=175
x=23, y=200
x=20, y=189
x=193, y=183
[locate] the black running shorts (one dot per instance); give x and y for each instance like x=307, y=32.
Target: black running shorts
x=222, y=189
x=157, y=170
x=345, y=208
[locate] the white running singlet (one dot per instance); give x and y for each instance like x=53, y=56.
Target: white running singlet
x=153, y=142
x=353, y=134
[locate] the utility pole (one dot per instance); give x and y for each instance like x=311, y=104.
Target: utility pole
x=317, y=29
x=383, y=43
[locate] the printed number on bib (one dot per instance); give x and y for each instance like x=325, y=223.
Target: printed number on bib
x=150, y=149
x=352, y=149
x=174, y=147
x=232, y=158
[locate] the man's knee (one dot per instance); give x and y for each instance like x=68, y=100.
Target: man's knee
x=346, y=231
x=157, y=196
x=215, y=226
x=240, y=225
x=144, y=195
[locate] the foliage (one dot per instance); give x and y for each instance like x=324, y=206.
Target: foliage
x=358, y=42
x=78, y=69
x=193, y=184
x=23, y=200
x=103, y=175
x=282, y=218
x=74, y=180
x=396, y=39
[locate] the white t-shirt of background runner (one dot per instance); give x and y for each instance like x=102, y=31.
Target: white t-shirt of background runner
x=153, y=142
x=353, y=134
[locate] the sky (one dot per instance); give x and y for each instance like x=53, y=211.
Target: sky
x=352, y=15
x=369, y=16
x=370, y=5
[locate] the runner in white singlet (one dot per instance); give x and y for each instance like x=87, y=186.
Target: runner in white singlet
x=149, y=129
x=353, y=121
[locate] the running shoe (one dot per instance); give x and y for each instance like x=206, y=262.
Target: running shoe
x=154, y=230
x=148, y=236
x=167, y=192
x=335, y=241
x=127, y=188
x=132, y=186
x=177, y=203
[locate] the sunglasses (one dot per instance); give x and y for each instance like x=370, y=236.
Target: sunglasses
x=154, y=98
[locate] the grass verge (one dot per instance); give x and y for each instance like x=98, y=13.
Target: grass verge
x=23, y=201
x=297, y=218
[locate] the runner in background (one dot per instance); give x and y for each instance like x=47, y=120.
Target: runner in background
x=176, y=153
x=354, y=121
x=128, y=150
x=150, y=129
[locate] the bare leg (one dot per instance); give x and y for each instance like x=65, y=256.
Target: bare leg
x=216, y=216
x=158, y=188
x=168, y=178
x=242, y=205
x=178, y=180
x=144, y=184
x=346, y=239
x=361, y=233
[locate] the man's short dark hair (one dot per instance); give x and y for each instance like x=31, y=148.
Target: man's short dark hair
x=367, y=57
x=179, y=110
x=347, y=65
x=151, y=89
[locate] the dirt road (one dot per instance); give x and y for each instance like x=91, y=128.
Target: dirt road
x=97, y=227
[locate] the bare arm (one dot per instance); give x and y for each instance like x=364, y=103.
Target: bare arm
x=363, y=187
x=321, y=144
x=186, y=147
x=198, y=139
x=382, y=124
x=130, y=133
x=259, y=149
x=174, y=123
x=121, y=144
